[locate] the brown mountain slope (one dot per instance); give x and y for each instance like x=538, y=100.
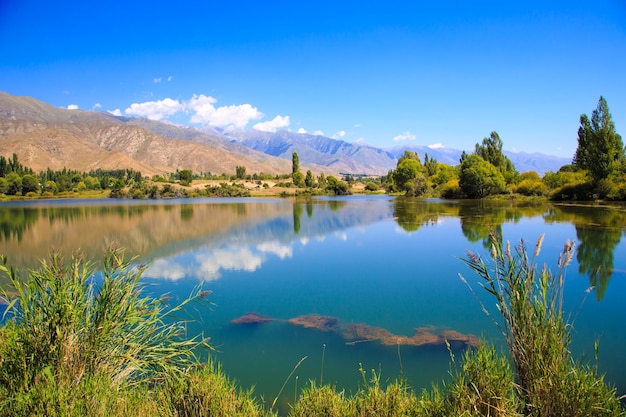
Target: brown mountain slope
x=57, y=149
x=43, y=136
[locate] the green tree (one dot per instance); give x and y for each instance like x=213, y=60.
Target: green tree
x=491, y=151
x=50, y=187
x=308, y=180
x=337, y=186
x=298, y=179
x=92, y=183
x=479, y=178
x=185, y=176
x=15, y=184
x=322, y=181
x=600, y=148
x=4, y=185
x=240, y=172
x=295, y=163
x=296, y=175
x=30, y=184
x=408, y=176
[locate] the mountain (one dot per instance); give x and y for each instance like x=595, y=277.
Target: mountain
x=357, y=158
x=336, y=155
x=44, y=136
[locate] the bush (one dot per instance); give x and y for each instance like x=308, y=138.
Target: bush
x=451, y=190
x=531, y=187
x=370, y=186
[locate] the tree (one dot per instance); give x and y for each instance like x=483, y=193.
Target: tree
x=296, y=175
x=491, y=151
x=15, y=183
x=407, y=173
x=4, y=185
x=30, y=184
x=240, y=172
x=479, y=178
x=308, y=180
x=185, y=176
x=600, y=149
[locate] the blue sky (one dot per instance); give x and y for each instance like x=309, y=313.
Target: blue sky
x=385, y=73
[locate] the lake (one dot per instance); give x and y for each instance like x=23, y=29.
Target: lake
x=367, y=271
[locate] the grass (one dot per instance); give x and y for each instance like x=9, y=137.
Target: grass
x=77, y=342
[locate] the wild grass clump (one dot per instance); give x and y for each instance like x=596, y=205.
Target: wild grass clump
x=80, y=343
x=530, y=302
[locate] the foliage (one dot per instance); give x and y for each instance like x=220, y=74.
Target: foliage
x=531, y=305
x=491, y=151
x=240, y=171
x=336, y=186
x=531, y=187
x=69, y=326
x=370, y=186
x=600, y=148
x=478, y=178
x=185, y=177
x=409, y=175
x=205, y=391
x=451, y=189
x=308, y=180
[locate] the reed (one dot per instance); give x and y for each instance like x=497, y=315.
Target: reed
x=530, y=303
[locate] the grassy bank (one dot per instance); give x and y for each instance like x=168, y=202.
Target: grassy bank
x=77, y=342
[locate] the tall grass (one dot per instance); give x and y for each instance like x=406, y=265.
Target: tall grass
x=81, y=343
x=530, y=303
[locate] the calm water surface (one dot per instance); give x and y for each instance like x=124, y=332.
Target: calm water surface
x=388, y=263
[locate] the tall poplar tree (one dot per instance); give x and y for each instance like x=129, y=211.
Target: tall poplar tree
x=600, y=148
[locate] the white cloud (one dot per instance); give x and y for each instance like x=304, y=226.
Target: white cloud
x=318, y=133
x=170, y=78
x=436, y=146
x=235, y=115
x=282, y=251
x=274, y=124
x=235, y=259
x=156, y=110
x=301, y=130
x=361, y=141
x=405, y=136
x=72, y=107
x=165, y=269
x=339, y=134
x=116, y=112
x=203, y=110
x=357, y=125
x=97, y=106
x=157, y=80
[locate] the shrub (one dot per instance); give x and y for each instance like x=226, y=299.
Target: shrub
x=531, y=187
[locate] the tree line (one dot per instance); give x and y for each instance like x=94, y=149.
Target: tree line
x=597, y=171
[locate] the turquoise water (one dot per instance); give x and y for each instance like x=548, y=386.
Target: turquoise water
x=388, y=263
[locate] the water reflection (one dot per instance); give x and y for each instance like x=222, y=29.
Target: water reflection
x=241, y=234
x=598, y=229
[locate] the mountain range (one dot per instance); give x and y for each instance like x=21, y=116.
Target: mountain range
x=44, y=136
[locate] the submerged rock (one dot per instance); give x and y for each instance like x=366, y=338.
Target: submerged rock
x=252, y=318
x=315, y=321
x=360, y=332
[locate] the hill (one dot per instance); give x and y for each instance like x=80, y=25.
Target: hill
x=45, y=136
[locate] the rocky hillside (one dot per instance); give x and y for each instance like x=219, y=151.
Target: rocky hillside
x=44, y=136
